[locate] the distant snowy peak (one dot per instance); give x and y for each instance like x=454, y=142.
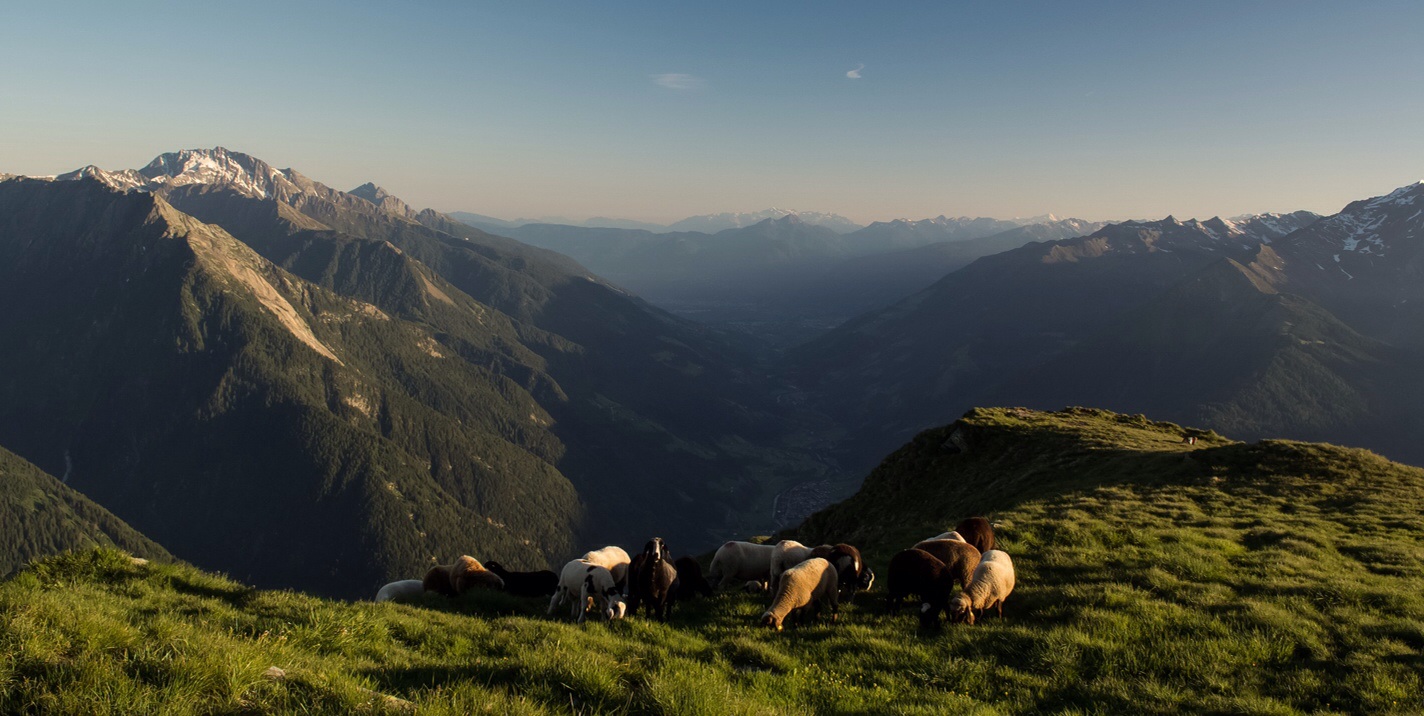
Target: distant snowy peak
x=1372, y=227
x=713, y=223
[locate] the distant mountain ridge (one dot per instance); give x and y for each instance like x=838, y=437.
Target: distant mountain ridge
x=418, y=385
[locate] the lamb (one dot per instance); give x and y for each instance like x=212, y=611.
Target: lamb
x=784, y=555
x=650, y=580
x=541, y=583
x=812, y=584
x=690, y=581
x=915, y=571
x=612, y=558
x=401, y=591
x=582, y=582
x=959, y=558
x=465, y=574
x=978, y=532
x=740, y=562
x=992, y=583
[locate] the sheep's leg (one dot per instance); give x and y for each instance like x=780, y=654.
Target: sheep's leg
x=1000, y=606
x=555, y=601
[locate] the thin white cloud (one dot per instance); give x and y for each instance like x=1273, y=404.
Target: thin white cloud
x=855, y=73
x=677, y=81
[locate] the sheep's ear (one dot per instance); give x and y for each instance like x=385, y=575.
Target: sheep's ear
x=924, y=607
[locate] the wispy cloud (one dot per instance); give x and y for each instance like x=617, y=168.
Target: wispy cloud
x=855, y=73
x=677, y=81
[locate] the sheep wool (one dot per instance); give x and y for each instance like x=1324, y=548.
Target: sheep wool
x=992, y=583
x=740, y=562
x=784, y=555
x=812, y=583
x=960, y=558
x=401, y=591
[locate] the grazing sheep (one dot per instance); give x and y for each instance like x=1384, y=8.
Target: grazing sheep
x=849, y=568
x=784, y=555
x=915, y=571
x=581, y=583
x=650, y=580
x=754, y=587
x=612, y=558
x=740, y=562
x=808, y=586
x=946, y=535
x=690, y=581
x=978, y=532
x=992, y=583
x=401, y=591
x=959, y=558
x=526, y=584
x=455, y=579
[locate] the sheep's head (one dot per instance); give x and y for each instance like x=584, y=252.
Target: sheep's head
x=656, y=549
x=615, y=607
x=771, y=621
x=961, y=610
x=754, y=587
x=929, y=616
x=867, y=578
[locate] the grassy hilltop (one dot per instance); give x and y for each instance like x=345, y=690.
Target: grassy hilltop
x=1154, y=577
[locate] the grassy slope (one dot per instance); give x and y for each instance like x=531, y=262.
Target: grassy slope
x=1153, y=577
x=41, y=516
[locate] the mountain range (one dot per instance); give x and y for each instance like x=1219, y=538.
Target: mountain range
x=705, y=223
x=1250, y=326
x=417, y=387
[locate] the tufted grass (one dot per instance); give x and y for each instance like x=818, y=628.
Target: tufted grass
x=1279, y=578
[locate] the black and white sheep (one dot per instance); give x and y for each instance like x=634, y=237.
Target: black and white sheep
x=978, y=532
x=541, y=583
x=587, y=586
x=810, y=585
x=650, y=580
x=917, y=572
x=740, y=562
x=401, y=591
x=991, y=584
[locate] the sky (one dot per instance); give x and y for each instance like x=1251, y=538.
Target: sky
x=661, y=110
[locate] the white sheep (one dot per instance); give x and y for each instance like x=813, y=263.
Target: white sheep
x=740, y=562
x=582, y=582
x=614, y=559
x=784, y=555
x=401, y=591
x=991, y=584
x=809, y=585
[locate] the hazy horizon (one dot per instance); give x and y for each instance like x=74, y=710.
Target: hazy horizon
x=654, y=113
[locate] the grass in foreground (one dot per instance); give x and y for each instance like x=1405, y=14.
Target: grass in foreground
x=1153, y=578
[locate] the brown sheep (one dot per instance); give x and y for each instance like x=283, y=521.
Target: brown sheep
x=978, y=532
x=465, y=574
x=960, y=558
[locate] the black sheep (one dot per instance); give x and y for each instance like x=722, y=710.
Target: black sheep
x=851, y=571
x=915, y=571
x=650, y=579
x=978, y=532
x=526, y=584
x=690, y=581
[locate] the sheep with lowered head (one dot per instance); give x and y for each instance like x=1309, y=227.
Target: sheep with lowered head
x=401, y=591
x=810, y=585
x=740, y=562
x=584, y=586
x=960, y=558
x=612, y=558
x=853, y=573
x=465, y=574
x=992, y=583
x=784, y=555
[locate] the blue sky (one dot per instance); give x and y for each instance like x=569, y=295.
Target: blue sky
x=660, y=110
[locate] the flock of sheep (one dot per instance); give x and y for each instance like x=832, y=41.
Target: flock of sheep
x=803, y=581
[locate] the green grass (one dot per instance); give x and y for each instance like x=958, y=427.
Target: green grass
x=1153, y=577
